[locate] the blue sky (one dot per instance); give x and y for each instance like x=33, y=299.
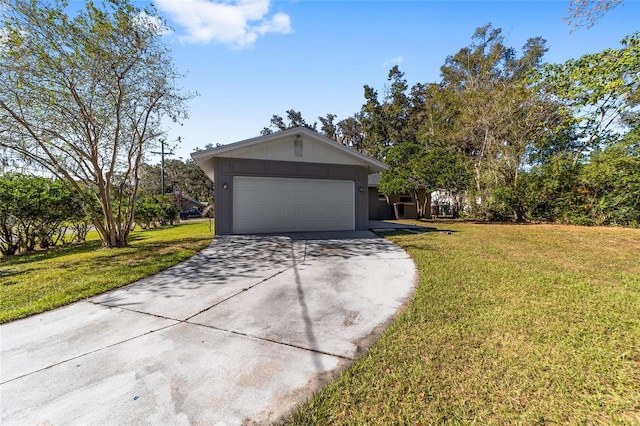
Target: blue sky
x=251, y=59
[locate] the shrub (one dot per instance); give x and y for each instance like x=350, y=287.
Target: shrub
x=154, y=210
x=34, y=212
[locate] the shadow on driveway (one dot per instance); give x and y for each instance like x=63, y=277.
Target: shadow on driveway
x=241, y=332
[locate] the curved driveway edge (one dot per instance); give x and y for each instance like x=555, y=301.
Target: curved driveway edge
x=239, y=333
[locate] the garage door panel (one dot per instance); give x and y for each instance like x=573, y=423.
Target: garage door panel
x=263, y=204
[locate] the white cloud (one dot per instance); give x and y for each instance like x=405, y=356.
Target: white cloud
x=393, y=61
x=238, y=23
x=153, y=23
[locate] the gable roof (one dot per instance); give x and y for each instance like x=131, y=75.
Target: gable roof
x=203, y=158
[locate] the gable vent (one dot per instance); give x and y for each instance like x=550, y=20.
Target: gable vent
x=297, y=146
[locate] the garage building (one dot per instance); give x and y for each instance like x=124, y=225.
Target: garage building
x=291, y=181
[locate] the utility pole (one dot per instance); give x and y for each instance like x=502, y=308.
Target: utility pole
x=162, y=154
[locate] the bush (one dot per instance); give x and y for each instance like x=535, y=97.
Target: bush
x=612, y=182
x=154, y=210
x=34, y=212
x=604, y=191
x=554, y=191
x=9, y=238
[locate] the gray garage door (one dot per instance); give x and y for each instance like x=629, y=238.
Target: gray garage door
x=262, y=204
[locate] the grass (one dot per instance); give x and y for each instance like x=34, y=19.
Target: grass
x=509, y=325
x=44, y=280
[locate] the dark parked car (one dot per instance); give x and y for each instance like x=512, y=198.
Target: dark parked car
x=194, y=212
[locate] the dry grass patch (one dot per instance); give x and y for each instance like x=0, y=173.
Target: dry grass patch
x=509, y=325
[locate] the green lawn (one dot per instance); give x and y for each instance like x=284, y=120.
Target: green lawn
x=509, y=325
x=39, y=281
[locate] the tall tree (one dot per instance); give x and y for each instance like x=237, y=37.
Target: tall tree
x=294, y=119
x=84, y=95
x=391, y=129
x=600, y=93
x=498, y=114
x=328, y=126
x=385, y=122
x=350, y=133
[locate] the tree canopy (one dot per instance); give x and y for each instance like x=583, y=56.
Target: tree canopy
x=294, y=119
x=505, y=135
x=517, y=138
x=599, y=93
x=184, y=176
x=84, y=95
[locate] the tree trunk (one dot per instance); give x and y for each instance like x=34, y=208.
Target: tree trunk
x=423, y=202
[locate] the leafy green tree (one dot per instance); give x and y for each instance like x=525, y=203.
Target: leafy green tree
x=390, y=136
x=385, y=123
x=149, y=183
x=414, y=167
x=79, y=220
x=449, y=171
x=406, y=174
x=497, y=114
x=194, y=183
x=328, y=126
x=603, y=191
x=600, y=94
x=611, y=181
x=553, y=191
x=57, y=206
x=31, y=206
x=582, y=173
x=84, y=95
x=184, y=176
x=350, y=133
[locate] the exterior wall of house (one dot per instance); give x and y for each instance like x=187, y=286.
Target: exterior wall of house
x=226, y=168
x=286, y=150
x=424, y=199
x=379, y=209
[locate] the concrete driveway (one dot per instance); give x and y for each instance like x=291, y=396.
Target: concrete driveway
x=239, y=333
